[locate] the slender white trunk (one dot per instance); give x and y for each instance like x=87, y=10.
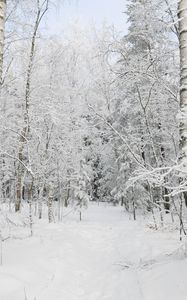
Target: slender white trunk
x=26, y=128
x=182, y=14
x=40, y=201
x=2, y=34
x=50, y=205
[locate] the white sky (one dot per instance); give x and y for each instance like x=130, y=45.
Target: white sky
x=87, y=11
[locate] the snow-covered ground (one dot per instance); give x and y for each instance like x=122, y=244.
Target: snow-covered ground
x=104, y=257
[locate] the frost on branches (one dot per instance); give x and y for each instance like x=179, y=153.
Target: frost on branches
x=93, y=116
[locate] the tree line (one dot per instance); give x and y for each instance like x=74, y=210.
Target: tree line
x=94, y=115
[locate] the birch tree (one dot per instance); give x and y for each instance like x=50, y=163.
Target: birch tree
x=2, y=34
x=40, y=12
x=182, y=13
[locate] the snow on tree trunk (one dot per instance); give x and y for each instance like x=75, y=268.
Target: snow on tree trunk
x=2, y=25
x=182, y=14
x=82, y=193
x=30, y=207
x=23, y=141
x=40, y=201
x=50, y=205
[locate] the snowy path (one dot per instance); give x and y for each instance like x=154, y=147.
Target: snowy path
x=102, y=258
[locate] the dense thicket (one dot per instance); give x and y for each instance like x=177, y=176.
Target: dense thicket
x=93, y=115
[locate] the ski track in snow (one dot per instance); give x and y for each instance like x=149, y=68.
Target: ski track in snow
x=105, y=257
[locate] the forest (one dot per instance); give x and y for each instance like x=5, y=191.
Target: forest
x=93, y=129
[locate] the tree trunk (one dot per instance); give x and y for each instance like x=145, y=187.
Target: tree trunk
x=2, y=34
x=182, y=14
x=26, y=128
x=166, y=199
x=18, y=193
x=50, y=206
x=30, y=207
x=40, y=201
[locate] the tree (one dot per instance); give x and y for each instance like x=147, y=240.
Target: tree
x=2, y=34
x=145, y=129
x=24, y=136
x=82, y=192
x=182, y=13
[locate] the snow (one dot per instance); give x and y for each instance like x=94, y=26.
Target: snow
x=104, y=257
